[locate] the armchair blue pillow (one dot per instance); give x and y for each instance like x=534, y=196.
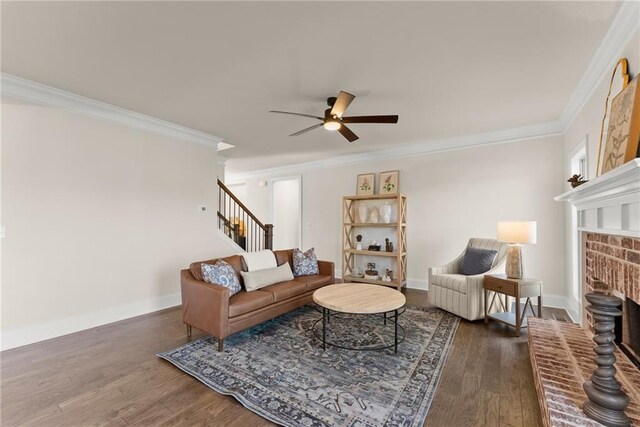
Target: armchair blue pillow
x=477, y=261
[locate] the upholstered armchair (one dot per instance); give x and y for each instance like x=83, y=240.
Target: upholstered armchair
x=460, y=294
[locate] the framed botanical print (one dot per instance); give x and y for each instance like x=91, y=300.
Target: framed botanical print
x=365, y=184
x=389, y=182
x=623, y=130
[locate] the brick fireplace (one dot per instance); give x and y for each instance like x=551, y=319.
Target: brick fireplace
x=605, y=257
x=612, y=266
x=606, y=237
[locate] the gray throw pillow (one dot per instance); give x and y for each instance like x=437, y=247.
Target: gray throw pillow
x=477, y=261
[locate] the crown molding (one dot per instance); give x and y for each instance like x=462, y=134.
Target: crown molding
x=27, y=90
x=623, y=27
x=399, y=152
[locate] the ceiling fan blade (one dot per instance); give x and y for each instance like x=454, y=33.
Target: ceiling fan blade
x=300, y=132
x=370, y=119
x=341, y=104
x=296, y=114
x=347, y=133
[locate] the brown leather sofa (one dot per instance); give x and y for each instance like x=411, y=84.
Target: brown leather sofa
x=209, y=308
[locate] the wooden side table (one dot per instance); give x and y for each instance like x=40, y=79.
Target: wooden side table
x=500, y=284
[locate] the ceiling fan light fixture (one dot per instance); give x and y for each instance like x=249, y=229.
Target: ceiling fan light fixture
x=332, y=125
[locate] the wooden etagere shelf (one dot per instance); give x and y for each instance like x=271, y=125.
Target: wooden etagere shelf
x=397, y=232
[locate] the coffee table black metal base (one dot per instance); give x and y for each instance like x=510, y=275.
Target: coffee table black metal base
x=391, y=316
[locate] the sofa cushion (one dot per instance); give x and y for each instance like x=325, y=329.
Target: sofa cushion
x=284, y=290
x=455, y=282
x=315, y=281
x=244, y=302
x=254, y=280
x=221, y=274
x=305, y=263
x=477, y=260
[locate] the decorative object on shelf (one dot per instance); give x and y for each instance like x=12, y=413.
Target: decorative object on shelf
x=356, y=272
x=576, y=180
x=365, y=184
x=388, y=276
x=385, y=212
x=363, y=212
x=623, y=130
x=389, y=182
x=388, y=246
x=374, y=246
x=608, y=123
x=607, y=401
x=359, y=243
x=371, y=272
x=374, y=218
x=516, y=233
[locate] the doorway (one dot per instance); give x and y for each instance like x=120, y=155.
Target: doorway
x=286, y=212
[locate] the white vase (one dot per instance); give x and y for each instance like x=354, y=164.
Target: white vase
x=374, y=217
x=363, y=210
x=385, y=213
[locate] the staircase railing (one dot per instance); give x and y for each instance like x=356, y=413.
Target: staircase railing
x=240, y=224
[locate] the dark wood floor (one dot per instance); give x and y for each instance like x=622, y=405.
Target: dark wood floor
x=110, y=376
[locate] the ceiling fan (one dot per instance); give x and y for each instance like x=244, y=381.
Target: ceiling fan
x=333, y=117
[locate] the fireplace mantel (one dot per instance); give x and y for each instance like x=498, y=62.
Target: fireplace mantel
x=610, y=203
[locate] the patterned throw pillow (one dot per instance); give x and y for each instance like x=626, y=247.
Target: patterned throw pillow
x=221, y=273
x=305, y=264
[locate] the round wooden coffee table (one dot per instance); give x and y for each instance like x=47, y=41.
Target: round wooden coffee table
x=359, y=298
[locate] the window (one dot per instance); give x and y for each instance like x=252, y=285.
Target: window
x=579, y=164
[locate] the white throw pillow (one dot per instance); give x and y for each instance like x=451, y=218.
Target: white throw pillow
x=259, y=260
x=254, y=280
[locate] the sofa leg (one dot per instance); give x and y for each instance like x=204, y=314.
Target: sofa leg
x=220, y=344
x=188, y=331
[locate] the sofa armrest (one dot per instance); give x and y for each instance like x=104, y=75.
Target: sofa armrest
x=327, y=268
x=204, y=306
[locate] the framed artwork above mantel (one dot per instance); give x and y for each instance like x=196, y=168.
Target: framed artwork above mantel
x=621, y=122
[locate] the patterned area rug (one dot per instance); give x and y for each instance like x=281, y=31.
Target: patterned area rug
x=279, y=370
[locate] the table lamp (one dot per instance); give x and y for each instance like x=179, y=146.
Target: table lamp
x=516, y=233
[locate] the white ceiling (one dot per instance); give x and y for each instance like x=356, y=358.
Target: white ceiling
x=447, y=69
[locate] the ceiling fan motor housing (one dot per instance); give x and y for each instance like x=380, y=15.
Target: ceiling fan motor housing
x=331, y=101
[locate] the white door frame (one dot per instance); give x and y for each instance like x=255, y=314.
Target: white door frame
x=286, y=178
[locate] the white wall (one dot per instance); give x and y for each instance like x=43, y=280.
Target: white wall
x=99, y=220
x=587, y=122
x=452, y=196
x=285, y=212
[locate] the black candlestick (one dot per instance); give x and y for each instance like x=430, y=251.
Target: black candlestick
x=607, y=401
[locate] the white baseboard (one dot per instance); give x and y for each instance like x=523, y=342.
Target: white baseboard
x=421, y=284
x=35, y=333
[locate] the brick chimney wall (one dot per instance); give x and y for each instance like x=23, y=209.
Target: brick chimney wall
x=612, y=262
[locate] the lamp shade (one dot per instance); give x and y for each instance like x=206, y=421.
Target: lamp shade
x=517, y=231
